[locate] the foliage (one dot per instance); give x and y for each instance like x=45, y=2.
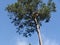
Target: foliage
x=23, y=13
x=29, y=43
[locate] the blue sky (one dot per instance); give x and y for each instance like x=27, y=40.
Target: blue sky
x=50, y=31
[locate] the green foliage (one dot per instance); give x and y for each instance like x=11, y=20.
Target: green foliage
x=23, y=13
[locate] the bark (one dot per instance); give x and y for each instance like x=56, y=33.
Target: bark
x=38, y=31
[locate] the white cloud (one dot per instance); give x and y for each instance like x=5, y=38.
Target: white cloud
x=47, y=41
x=50, y=42
x=21, y=41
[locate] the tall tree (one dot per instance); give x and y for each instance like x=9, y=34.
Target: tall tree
x=27, y=15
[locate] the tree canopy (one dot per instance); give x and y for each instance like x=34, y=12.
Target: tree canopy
x=23, y=12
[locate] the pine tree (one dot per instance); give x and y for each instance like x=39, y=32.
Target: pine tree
x=27, y=15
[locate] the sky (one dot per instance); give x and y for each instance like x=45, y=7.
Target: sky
x=50, y=31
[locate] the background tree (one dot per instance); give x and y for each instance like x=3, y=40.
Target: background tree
x=27, y=15
x=29, y=43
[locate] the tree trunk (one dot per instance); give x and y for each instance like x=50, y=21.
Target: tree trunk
x=38, y=31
